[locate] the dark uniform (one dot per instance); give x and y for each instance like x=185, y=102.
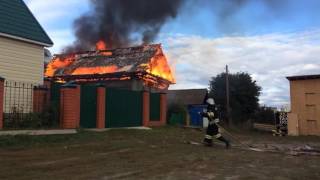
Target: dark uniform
x=213, y=129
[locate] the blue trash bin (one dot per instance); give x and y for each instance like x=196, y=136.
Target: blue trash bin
x=195, y=117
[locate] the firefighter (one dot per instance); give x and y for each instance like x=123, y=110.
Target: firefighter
x=213, y=130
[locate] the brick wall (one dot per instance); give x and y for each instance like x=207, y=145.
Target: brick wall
x=146, y=108
x=101, y=107
x=40, y=100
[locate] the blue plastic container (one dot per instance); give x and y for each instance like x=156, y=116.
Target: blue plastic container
x=195, y=117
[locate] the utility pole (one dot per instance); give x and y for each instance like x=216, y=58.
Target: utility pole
x=228, y=97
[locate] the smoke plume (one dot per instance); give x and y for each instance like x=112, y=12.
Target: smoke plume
x=121, y=23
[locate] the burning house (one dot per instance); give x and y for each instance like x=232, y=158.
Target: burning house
x=135, y=68
x=104, y=88
x=109, y=86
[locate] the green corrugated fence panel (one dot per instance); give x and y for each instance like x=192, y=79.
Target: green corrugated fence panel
x=123, y=108
x=88, y=106
x=55, y=92
x=154, y=107
x=55, y=99
x=177, y=119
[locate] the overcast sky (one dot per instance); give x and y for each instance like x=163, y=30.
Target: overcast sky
x=269, y=41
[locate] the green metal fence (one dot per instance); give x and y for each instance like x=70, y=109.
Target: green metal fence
x=55, y=100
x=88, y=106
x=154, y=107
x=55, y=92
x=123, y=108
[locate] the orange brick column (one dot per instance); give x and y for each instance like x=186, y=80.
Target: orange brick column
x=163, y=109
x=39, y=99
x=1, y=101
x=70, y=107
x=145, y=108
x=101, y=107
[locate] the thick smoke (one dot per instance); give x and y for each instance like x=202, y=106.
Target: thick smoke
x=121, y=23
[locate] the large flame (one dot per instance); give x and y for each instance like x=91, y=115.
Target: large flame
x=57, y=63
x=95, y=70
x=159, y=66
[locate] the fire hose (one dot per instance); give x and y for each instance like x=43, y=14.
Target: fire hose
x=246, y=146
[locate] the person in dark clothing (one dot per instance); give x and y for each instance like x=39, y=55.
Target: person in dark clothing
x=213, y=128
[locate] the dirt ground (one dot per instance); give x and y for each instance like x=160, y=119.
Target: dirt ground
x=160, y=153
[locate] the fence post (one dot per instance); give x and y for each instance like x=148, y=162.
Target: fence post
x=146, y=108
x=101, y=107
x=70, y=106
x=1, y=101
x=163, y=108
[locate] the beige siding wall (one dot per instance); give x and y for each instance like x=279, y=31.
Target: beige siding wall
x=305, y=104
x=21, y=64
x=21, y=61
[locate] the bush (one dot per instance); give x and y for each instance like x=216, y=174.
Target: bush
x=265, y=115
x=17, y=119
x=177, y=114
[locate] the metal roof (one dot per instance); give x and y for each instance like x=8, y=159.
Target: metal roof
x=18, y=22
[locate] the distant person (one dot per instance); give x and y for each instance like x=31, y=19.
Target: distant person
x=213, y=128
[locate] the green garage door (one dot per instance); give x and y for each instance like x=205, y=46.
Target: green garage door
x=154, y=107
x=123, y=108
x=88, y=106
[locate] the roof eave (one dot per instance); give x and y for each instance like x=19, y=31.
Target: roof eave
x=25, y=40
x=303, y=77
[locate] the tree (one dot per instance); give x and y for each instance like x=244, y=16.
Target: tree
x=265, y=115
x=244, y=95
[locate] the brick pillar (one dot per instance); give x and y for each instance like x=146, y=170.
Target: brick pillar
x=101, y=107
x=70, y=107
x=163, y=109
x=39, y=99
x=145, y=108
x=1, y=101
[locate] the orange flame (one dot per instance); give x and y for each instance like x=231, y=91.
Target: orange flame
x=57, y=63
x=159, y=66
x=95, y=70
x=101, y=45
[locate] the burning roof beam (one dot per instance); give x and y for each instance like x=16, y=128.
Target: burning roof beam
x=149, y=79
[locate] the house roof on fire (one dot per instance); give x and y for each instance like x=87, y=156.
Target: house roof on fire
x=187, y=96
x=132, y=59
x=125, y=59
x=17, y=21
x=147, y=63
